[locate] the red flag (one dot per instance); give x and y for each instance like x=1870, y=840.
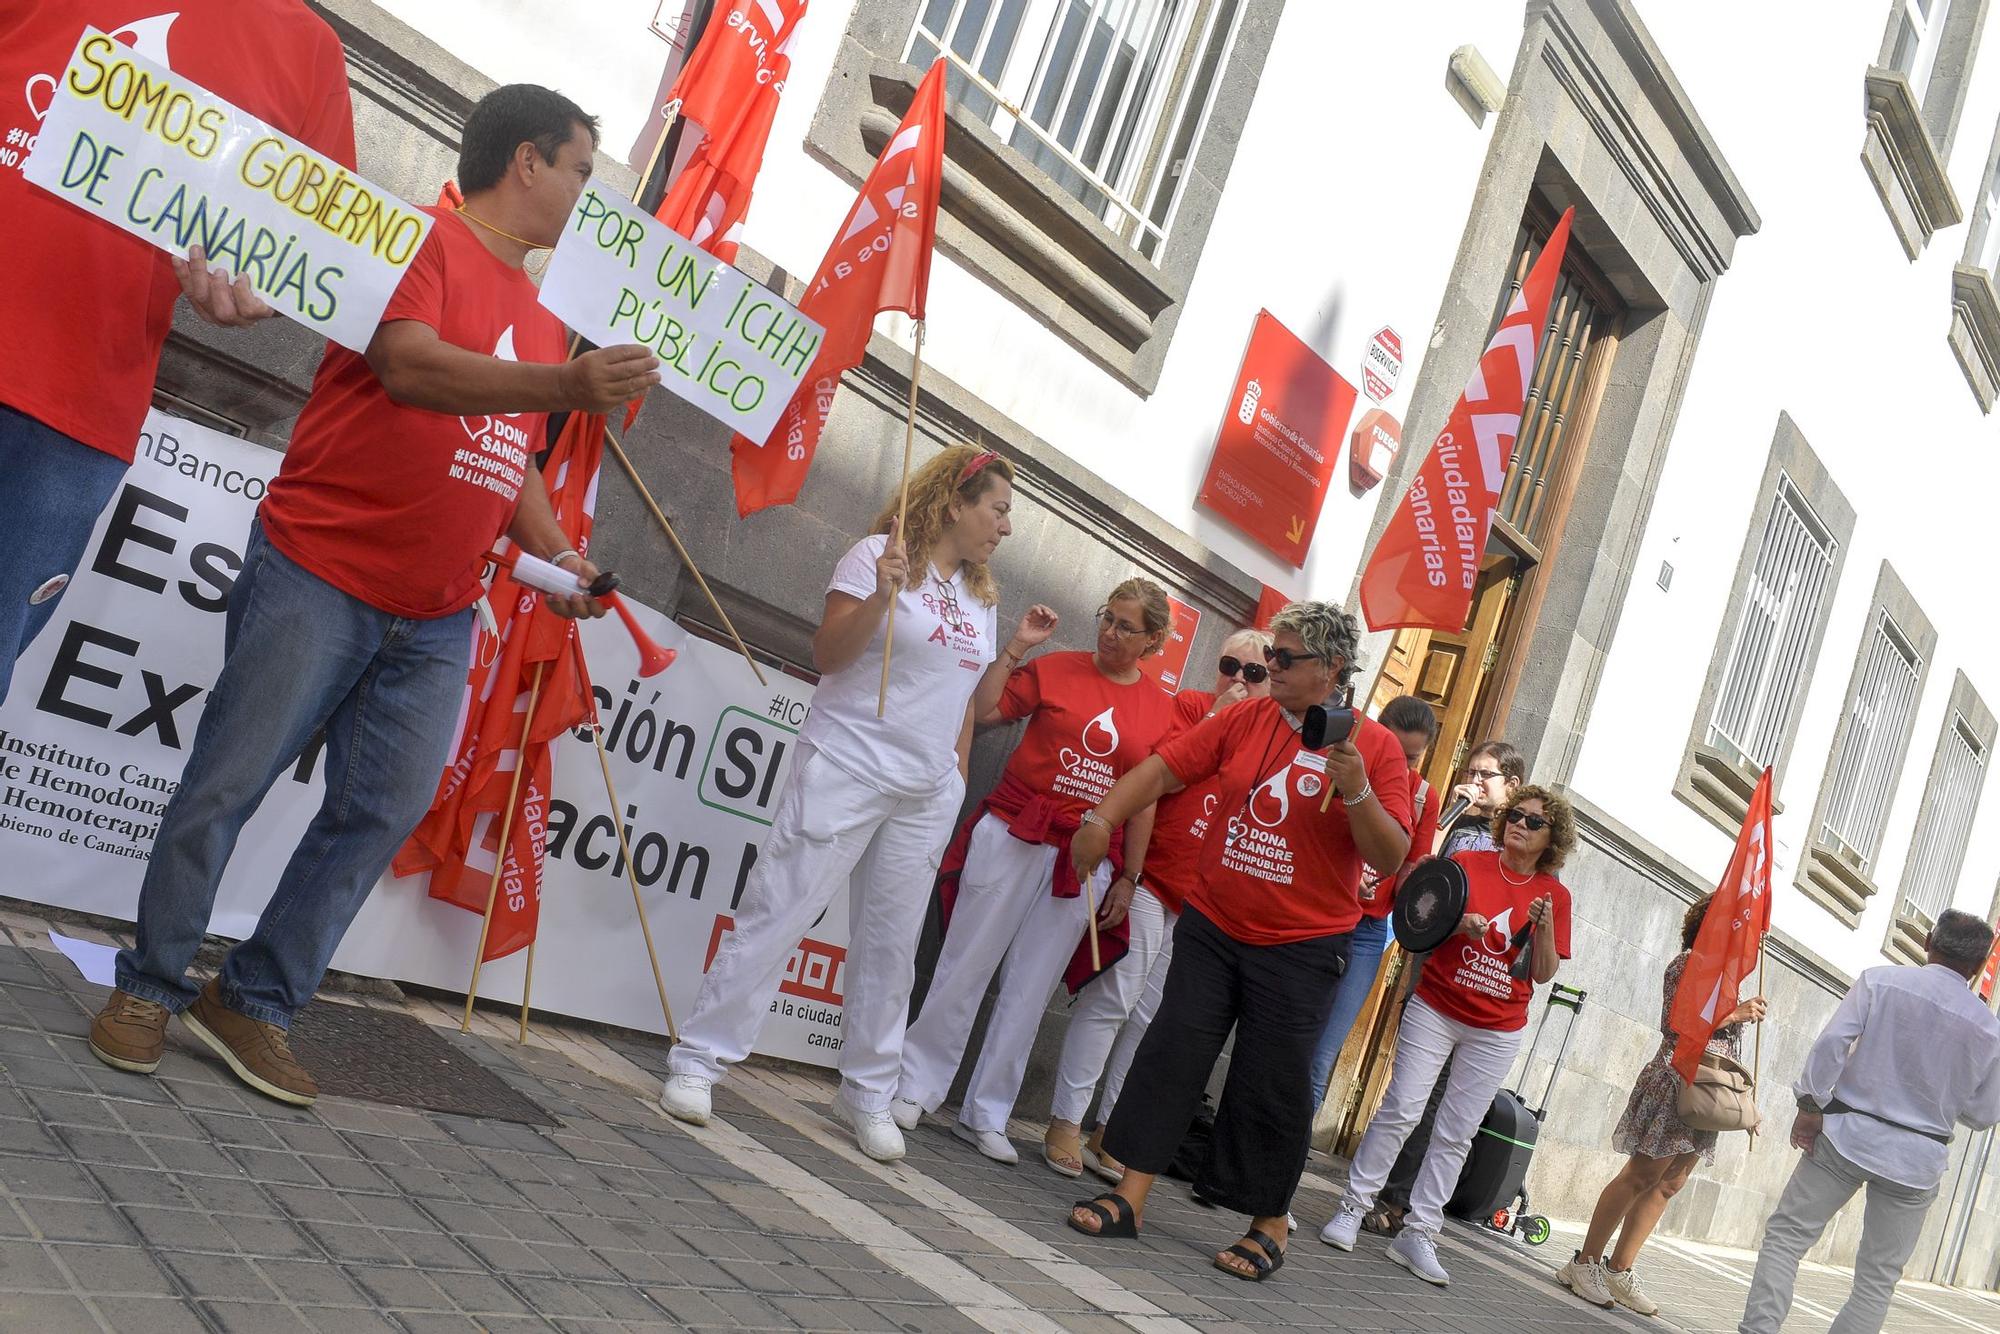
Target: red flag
x=1425, y=564
x=1269, y=603
x=731, y=89
x=880, y=260
x=1991, y=971
x=1725, y=950
x=458, y=842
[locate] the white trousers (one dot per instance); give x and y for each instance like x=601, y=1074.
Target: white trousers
x=829, y=829
x=1480, y=1059
x=1111, y=1014
x=1004, y=912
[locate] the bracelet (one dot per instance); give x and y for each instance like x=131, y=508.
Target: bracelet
x=1367, y=791
x=1092, y=817
x=562, y=556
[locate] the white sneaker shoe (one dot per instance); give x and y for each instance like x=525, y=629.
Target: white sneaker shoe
x=686, y=1098
x=1586, y=1278
x=989, y=1142
x=905, y=1113
x=1626, y=1292
x=1416, y=1250
x=875, y=1132
x=1345, y=1228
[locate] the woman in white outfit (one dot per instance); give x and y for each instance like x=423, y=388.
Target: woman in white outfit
x=870, y=801
x=1112, y=1012
x=1015, y=896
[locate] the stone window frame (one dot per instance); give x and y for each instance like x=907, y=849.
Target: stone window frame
x=1904, y=939
x=1710, y=782
x=1908, y=140
x=1824, y=876
x=1013, y=226
x=1975, y=299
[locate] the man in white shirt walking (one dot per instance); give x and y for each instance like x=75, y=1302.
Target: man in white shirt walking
x=1910, y=1053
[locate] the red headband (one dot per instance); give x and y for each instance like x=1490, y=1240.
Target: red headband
x=978, y=461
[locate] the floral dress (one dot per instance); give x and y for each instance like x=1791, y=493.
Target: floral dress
x=1651, y=1126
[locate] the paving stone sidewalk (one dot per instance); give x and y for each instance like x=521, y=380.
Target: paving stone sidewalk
x=184, y=1202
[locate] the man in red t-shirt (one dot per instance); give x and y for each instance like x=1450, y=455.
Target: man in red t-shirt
x=353, y=612
x=84, y=315
x=1263, y=934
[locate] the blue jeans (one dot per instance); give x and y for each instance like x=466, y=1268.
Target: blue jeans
x=299, y=655
x=1364, y=957
x=54, y=489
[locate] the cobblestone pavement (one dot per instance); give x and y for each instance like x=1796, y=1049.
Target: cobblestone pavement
x=183, y=1202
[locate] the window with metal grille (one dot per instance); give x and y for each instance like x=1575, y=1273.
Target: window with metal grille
x=1767, y=656
x=1937, y=850
x=1878, y=720
x=1107, y=96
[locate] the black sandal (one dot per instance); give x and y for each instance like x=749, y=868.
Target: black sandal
x=1121, y=1224
x=1267, y=1260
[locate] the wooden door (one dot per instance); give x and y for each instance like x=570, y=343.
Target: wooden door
x=1450, y=671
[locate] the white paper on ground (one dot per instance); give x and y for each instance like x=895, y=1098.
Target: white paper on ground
x=96, y=962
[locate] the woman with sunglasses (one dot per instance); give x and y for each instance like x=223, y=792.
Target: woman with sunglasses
x=1470, y=1007
x=870, y=801
x=1112, y=1012
x=1261, y=938
x=1008, y=897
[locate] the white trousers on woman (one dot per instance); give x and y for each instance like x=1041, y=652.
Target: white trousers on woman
x=1004, y=911
x=1114, y=1009
x=829, y=829
x=1480, y=1059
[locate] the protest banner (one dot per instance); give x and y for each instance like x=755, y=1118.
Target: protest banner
x=96, y=729
x=726, y=344
x=129, y=141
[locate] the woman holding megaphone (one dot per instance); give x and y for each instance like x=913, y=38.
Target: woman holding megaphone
x=1263, y=934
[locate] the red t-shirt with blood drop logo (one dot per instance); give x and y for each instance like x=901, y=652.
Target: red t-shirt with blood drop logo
x=1180, y=822
x=1085, y=731
x=1275, y=868
x=396, y=505
x=1378, y=892
x=86, y=308
x=1470, y=980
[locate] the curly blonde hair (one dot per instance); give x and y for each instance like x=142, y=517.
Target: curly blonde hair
x=942, y=482
x=1562, y=825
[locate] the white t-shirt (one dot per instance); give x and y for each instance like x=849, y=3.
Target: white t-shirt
x=938, y=661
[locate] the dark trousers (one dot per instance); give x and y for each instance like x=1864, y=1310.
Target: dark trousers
x=1277, y=998
x=1396, y=1191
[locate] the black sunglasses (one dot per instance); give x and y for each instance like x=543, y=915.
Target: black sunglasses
x=1253, y=672
x=1535, y=823
x=1284, y=659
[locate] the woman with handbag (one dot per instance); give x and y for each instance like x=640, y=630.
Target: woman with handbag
x=1662, y=1148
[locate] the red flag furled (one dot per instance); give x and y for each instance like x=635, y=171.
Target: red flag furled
x=1732, y=934
x=1269, y=603
x=1426, y=563
x=879, y=260
x=730, y=88
x=459, y=840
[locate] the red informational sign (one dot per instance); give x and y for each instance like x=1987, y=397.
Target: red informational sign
x=1990, y=971
x=1377, y=437
x=1383, y=365
x=1169, y=667
x=1280, y=438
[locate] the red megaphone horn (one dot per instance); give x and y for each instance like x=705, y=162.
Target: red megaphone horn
x=539, y=574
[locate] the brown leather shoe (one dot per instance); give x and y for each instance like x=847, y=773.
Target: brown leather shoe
x=257, y=1053
x=129, y=1033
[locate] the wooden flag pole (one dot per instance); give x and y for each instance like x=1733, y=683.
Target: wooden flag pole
x=500, y=860
x=528, y=983
x=1090, y=901
x=902, y=526
x=660, y=517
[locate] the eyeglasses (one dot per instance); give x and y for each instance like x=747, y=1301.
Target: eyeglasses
x=1483, y=775
x=1253, y=672
x=1284, y=659
x=1535, y=823
x=1107, y=621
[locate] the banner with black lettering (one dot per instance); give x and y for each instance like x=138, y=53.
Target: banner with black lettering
x=104, y=705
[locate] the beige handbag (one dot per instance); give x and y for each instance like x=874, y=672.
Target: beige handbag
x=1722, y=1097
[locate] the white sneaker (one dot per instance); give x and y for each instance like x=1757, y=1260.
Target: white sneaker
x=1342, y=1232
x=1416, y=1250
x=685, y=1098
x=875, y=1132
x=989, y=1142
x=1626, y=1292
x=905, y=1113
x=1587, y=1279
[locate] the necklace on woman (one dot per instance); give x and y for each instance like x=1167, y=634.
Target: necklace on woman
x=533, y=271
x=1510, y=879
